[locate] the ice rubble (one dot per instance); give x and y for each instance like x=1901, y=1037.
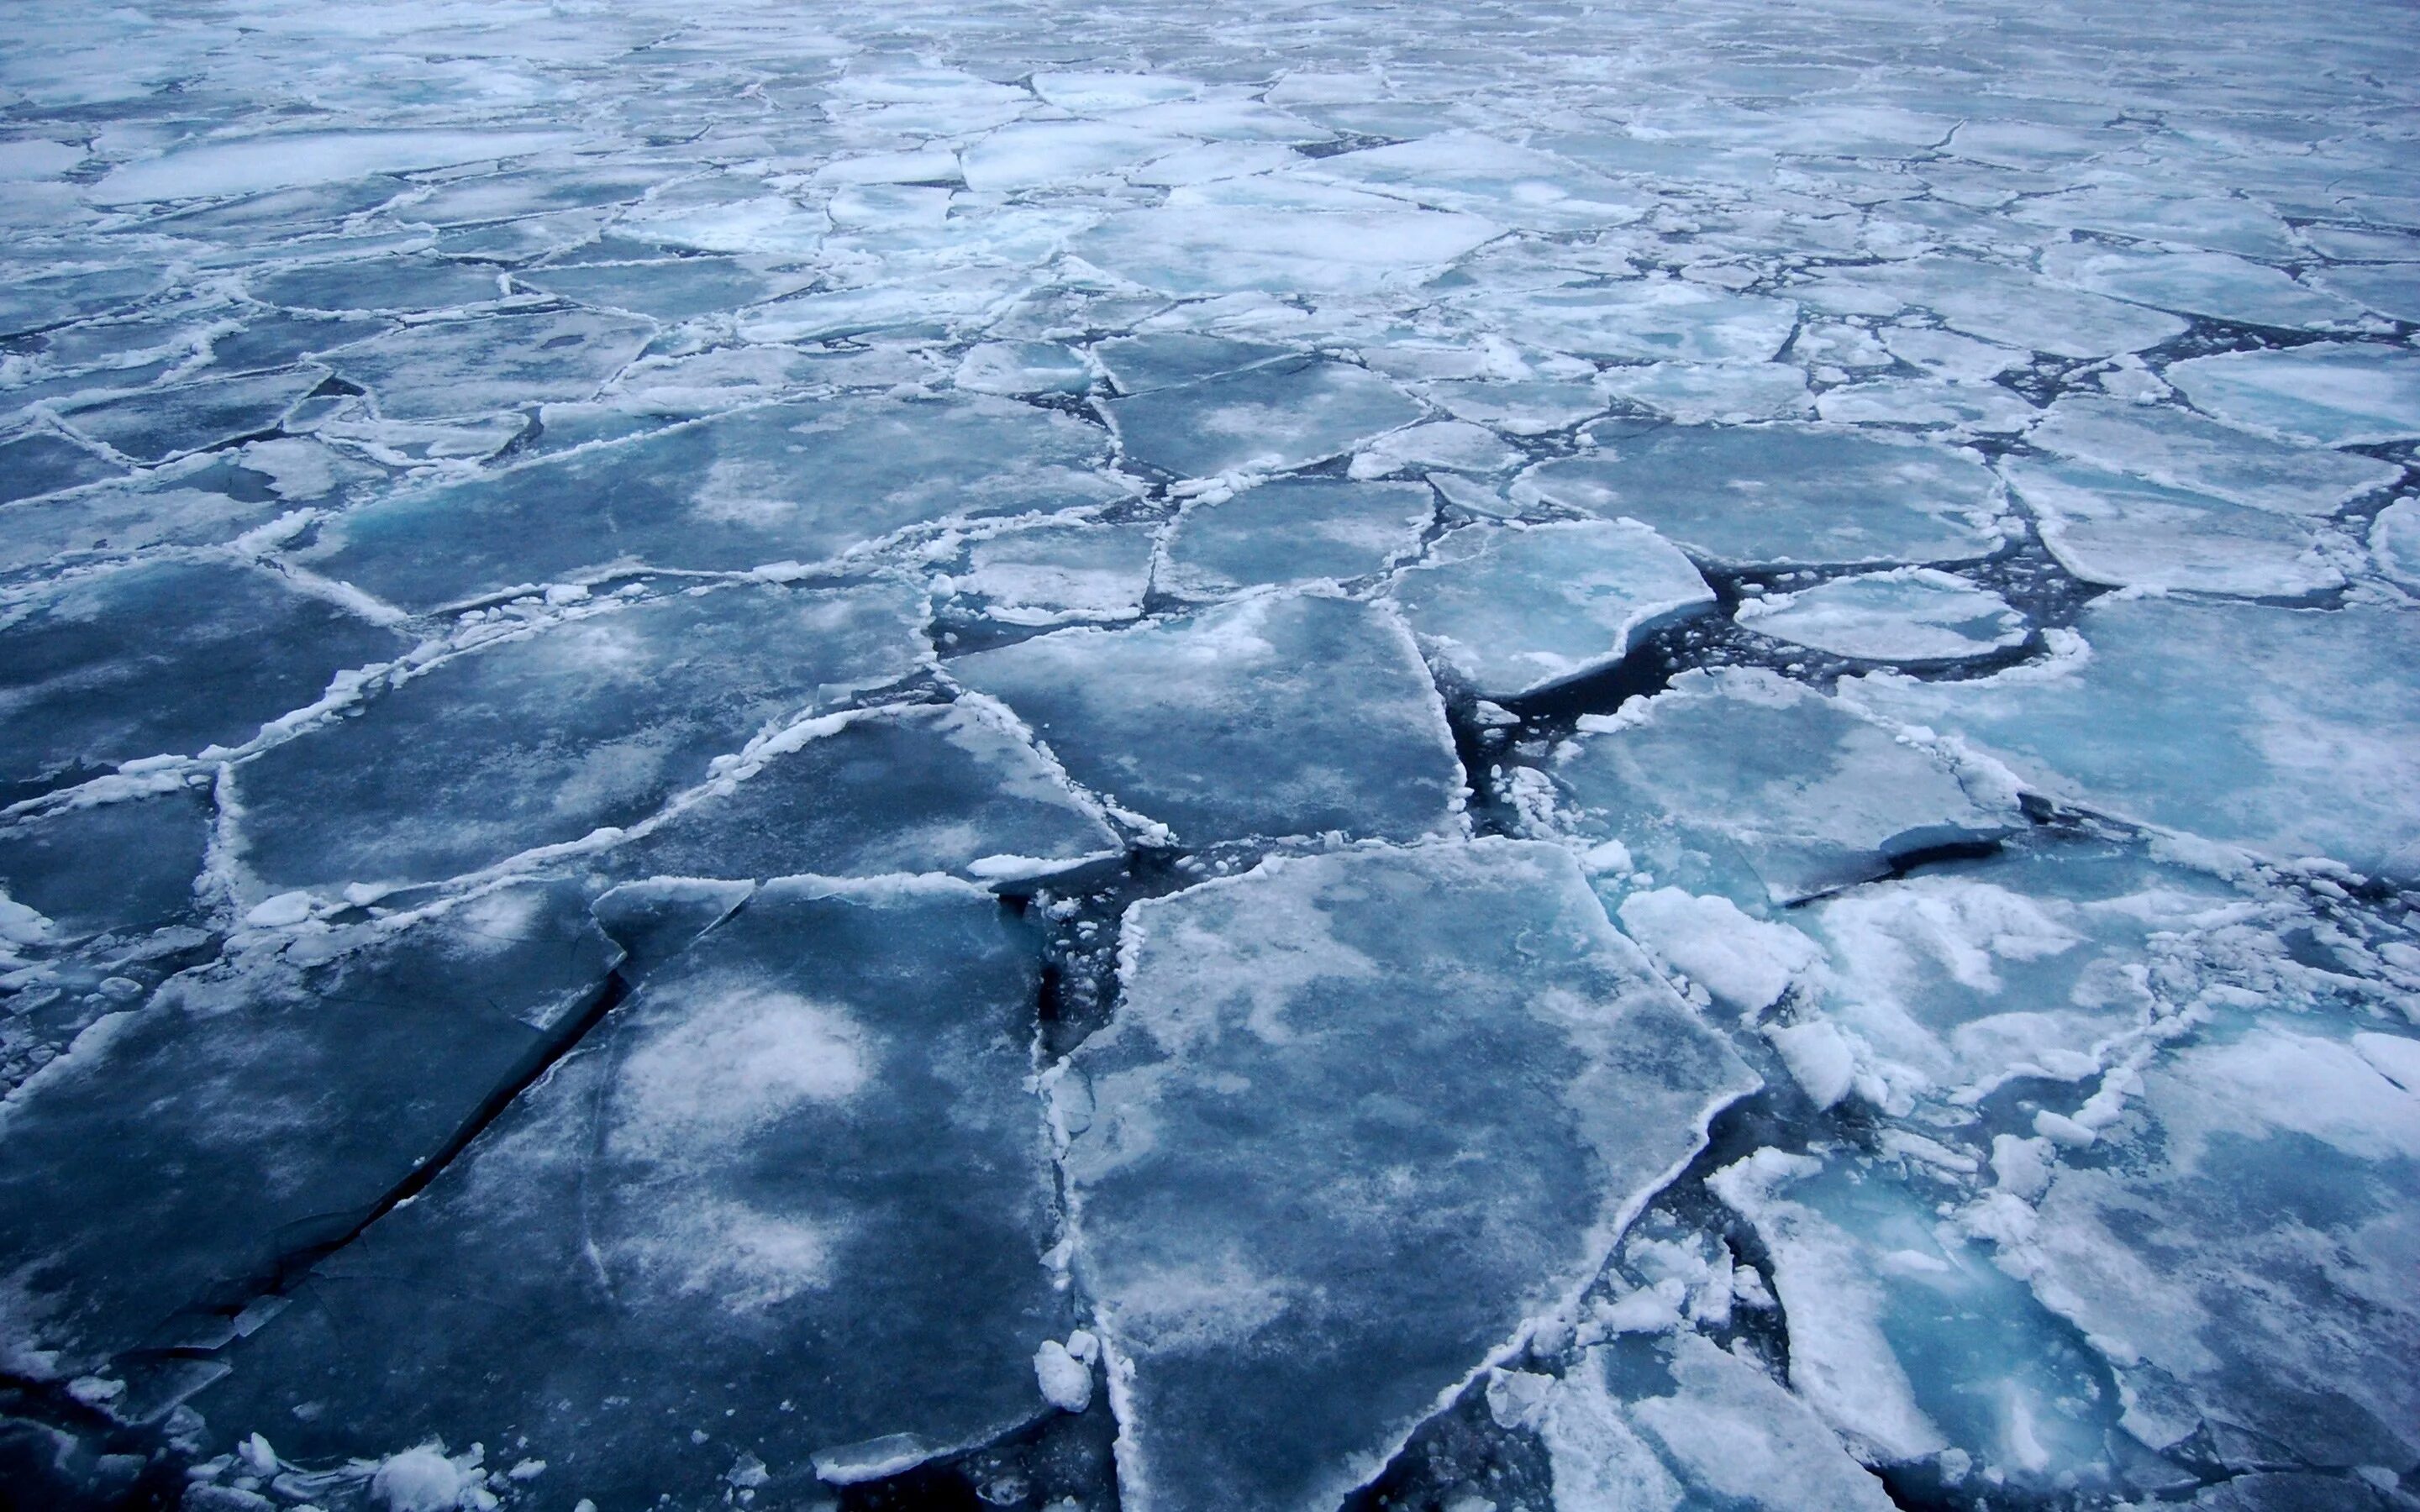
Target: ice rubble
x=1300, y=1225
x=791, y=1202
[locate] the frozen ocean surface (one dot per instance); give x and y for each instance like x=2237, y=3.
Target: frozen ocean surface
x=1516, y=756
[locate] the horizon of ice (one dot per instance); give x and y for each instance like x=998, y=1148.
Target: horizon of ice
x=1479, y=758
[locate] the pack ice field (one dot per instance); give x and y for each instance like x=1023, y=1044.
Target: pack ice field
x=1511, y=756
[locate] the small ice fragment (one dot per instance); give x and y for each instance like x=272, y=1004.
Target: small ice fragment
x=1066, y=1381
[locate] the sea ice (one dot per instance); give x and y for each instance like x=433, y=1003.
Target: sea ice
x=126, y=866
x=1782, y=494
x=460, y=367
x=1051, y=573
x=1302, y=1225
x=2202, y=283
x=2180, y=449
x=1322, y=700
x=1642, y=319
x=1506, y=611
x=158, y=424
x=1910, y=615
x=550, y=733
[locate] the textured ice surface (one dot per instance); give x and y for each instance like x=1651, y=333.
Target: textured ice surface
x=547, y=735
x=1507, y=611
x=1322, y=701
x=1784, y=494
x=1301, y=1224
x=1916, y=505
x=799, y=1166
x=1914, y=614
x=1739, y=783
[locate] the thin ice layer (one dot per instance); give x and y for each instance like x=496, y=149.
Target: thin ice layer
x=784, y=484
x=1506, y=611
x=126, y=866
x=1291, y=530
x=915, y=788
x=1303, y=1223
x=278, y=1098
x=1784, y=494
x=787, y=1203
x=164, y=656
x=2317, y=754
x=1914, y=614
x=1739, y=783
x=544, y=737
x=1322, y=699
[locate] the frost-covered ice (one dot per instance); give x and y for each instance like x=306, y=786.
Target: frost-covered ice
x=1494, y=757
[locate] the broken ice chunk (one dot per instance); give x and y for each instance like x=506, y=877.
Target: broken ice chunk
x=1295, y=530
x=278, y=1100
x=412, y=281
x=1637, y=1426
x=680, y=288
x=1304, y=1225
x=2393, y=292
x=1199, y=242
x=2180, y=449
x=157, y=424
x=1784, y=494
x=790, y=1200
x=1506, y=611
x=1445, y=444
x=2018, y=309
x=465, y=367
x=544, y=736
x=1743, y=964
x=1032, y=154
x=164, y=656
x=922, y=788
x=1906, y=1337
x=1163, y=359
x=1913, y=615
x=1322, y=701
x=2201, y=283
x=786, y=483
x=1270, y=419
x=2109, y=528
x=1477, y=175
x=2317, y=755
x=1739, y=783
x=40, y=463
x=280, y=160
x=1642, y=319
x=1067, y=570
x=1022, y=367
x=2394, y=542
x=1978, y=406
x=1526, y=408
x=2259, y=1189
x=2333, y=394
x=2031, y=962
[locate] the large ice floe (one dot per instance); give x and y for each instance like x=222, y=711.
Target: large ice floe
x=1494, y=757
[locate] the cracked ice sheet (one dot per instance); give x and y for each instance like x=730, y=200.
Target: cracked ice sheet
x=791, y=1201
x=1263, y=1360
